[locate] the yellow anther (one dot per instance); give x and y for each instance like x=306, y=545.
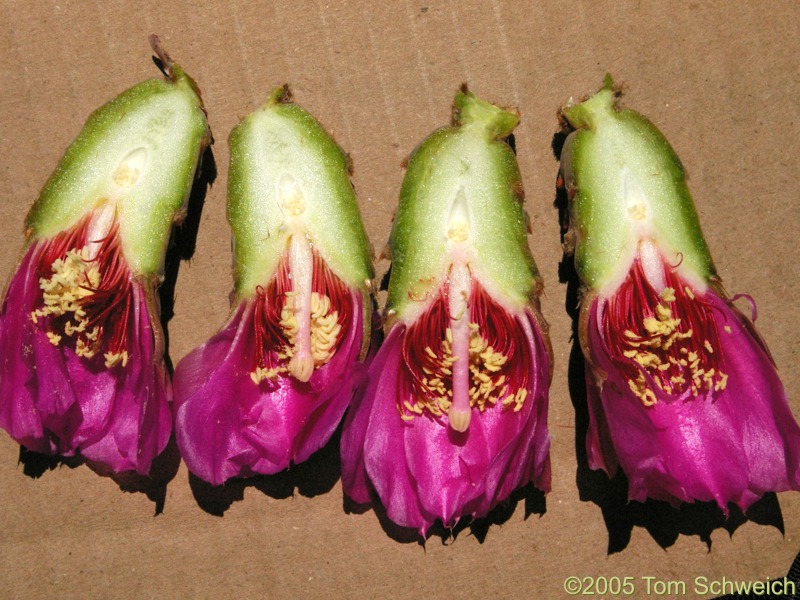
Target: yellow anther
x=728, y=329
x=74, y=277
x=54, y=338
x=667, y=294
x=81, y=349
x=636, y=385
x=667, y=370
x=647, y=359
x=654, y=326
x=723, y=381
x=325, y=330
x=663, y=312
x=520, y=396
x=689, y=292
x=262, y=373
x=484, y=367
x=116, y=358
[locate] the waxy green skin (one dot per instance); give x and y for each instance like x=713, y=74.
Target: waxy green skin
x=281, y=139
x=165, y=118
x=607, y=141
x=470, y=157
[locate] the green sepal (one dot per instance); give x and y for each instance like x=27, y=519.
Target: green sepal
x=472, y=159
x=159, y=125
x=613, y=150
x=469, y=110
x=281, y=139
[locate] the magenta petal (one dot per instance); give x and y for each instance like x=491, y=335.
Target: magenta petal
x=20, y=381
x=355, y=483
x=372, y=441
x=732, y=447
x=140, y=421
x=600, y=452
x=422, y=469
x=227, y=426
x=54, y=402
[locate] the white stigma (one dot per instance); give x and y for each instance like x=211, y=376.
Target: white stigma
x=301, y=267
x=99, y=226
x=458, y=306
x=652, y=265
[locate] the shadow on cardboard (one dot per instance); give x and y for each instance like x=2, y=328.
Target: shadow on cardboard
x=311, y=478
x=533, y=499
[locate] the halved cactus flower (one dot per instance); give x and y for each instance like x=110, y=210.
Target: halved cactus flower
x=454, y=417
x=682, y=392
x=81, y=347
x=271, y=387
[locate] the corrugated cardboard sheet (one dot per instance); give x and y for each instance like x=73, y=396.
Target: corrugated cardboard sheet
x=720, y=79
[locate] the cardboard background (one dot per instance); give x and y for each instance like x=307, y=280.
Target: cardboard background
x=720, y=79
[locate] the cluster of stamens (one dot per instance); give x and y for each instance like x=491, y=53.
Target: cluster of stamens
x=673, y=344
x=494, y=374
x=325, y=330
x=78, y=305
x=279, y=311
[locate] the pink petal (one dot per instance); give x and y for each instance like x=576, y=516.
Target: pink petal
x=140, y=421
x=54, y=402
x=227, y=426
x=732, y=447
x=422, y=469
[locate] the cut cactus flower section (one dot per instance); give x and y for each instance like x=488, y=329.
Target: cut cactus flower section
x=271, y=387
x=81, y=348
x=682, y=392
x=454, y=416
